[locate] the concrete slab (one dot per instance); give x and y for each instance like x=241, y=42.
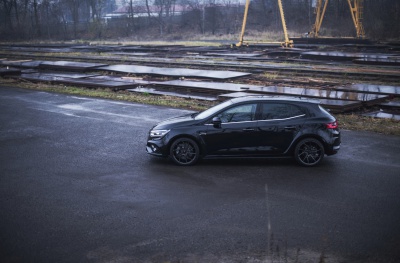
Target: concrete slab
x=70, y=65
x=99, y=83
x=383, y=115
x=376, y=89
x=391, y=104
x=276, y=90
x=241, y=55
x=54, y=76
x=378, y=62
x=335, y=106
x=7, y=71
x=89, y=81
x=21, y=63
x=173, y=72
x=154, y=91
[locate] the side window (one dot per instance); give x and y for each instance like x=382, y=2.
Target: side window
x=240, y=113
x=272, y=111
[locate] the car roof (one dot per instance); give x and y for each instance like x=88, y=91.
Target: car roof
x=274, y=98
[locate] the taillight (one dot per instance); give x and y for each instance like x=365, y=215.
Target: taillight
x=332, y=125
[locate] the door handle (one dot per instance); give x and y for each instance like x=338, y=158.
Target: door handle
x=290, y=128
x=248, y=129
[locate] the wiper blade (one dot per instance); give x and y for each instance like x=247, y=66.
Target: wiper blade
x=194, y=114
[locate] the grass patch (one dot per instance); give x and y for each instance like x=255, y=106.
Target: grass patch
x=270, y=75
x=346, y=121
x=363, y=123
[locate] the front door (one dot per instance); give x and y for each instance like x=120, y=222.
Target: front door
x=237, y=133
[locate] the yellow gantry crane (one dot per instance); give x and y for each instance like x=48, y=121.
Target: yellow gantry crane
x=356, y=10
x=287, y=43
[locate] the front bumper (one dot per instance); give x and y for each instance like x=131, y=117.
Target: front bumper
x=156, y=148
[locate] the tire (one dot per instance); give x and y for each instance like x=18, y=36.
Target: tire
x=184, y=152
x=309, y=152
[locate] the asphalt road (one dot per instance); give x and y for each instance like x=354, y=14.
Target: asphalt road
x=77, y=186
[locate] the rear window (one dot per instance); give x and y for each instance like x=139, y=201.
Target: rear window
x=274, y=111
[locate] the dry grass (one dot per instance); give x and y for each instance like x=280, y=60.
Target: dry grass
x=362, y=123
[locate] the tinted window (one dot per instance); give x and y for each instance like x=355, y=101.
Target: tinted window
x=272, y=111
x=211, y=111
x=239, y=113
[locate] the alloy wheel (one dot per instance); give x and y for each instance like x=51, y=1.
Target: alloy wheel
x=184, y=151
x=309, y=152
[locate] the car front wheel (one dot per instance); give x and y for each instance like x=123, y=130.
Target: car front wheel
x=309, y=152
x=184, y=151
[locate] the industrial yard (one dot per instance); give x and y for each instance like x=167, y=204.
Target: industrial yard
x=356, y=77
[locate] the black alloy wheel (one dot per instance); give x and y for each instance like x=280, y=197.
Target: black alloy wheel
x=184, y=151
x=309, y=152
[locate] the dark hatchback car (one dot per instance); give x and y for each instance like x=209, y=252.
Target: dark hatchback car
x=252, y=126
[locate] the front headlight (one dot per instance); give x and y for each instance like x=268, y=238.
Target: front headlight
x=158, y=133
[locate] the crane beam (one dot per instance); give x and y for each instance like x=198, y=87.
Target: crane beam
x=246, y=11
x=287, y=43
x=356, y=9
x=319, y=17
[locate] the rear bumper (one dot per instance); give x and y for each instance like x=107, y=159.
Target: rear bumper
x=335, y=147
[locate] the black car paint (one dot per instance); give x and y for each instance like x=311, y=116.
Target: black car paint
x=257, y=138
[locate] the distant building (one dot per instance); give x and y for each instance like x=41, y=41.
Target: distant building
x=143, y=11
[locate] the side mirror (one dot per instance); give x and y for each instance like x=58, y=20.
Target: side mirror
x=216, y=121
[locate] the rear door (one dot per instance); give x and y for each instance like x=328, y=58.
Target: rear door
x=278, y=125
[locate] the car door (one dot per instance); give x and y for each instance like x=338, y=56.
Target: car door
x=236, y=133
x=278, y=126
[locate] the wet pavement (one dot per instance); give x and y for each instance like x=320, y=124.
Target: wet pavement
x=77, y=186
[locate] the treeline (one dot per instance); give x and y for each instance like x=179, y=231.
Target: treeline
x=22, y=20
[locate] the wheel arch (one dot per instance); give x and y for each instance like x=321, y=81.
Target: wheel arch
x=194, y=138
x=292, y=147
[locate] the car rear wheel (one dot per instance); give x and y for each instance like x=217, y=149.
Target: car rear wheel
x=309, y=152
x=184, y=151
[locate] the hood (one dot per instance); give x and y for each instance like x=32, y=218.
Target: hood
x=184, y=120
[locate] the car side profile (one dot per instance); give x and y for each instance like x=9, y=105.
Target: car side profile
x=249, y=127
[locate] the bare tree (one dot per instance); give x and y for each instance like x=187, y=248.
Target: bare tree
x=64, y=19
x=7, y=6
x=196, y=14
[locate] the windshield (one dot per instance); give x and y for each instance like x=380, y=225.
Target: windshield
x=209, y=112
